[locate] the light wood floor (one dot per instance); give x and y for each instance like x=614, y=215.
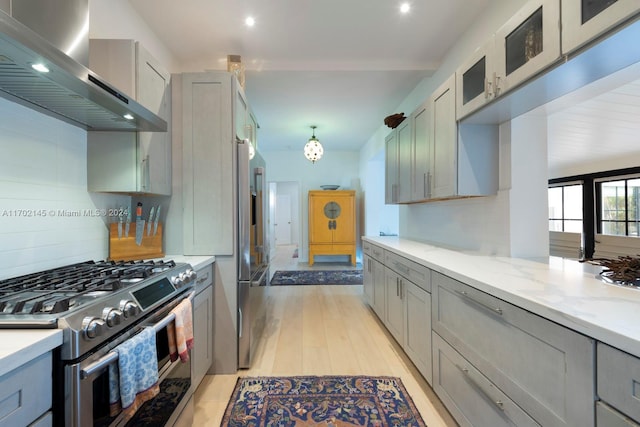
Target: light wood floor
x=322, y=330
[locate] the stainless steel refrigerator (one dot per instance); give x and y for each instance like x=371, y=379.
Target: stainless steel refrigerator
x=253, y=250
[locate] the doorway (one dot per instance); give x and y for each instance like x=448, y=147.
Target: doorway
x=285, y=237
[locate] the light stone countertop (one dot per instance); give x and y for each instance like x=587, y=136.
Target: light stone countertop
x=195, y=261
x=19, y=346
x=564, y=291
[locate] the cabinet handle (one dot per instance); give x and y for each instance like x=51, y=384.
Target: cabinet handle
x=497, y=402
x=496, y=84
x=424, y=182
x=145, y=178
x=397, y=286
x=394, y=193
x=487, y=89
x=401, y=288
x=429, y=184
x=495, y=310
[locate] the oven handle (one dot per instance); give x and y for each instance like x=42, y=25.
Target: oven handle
x=112, y=356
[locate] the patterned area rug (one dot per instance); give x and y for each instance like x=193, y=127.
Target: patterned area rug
x=321, y=401
x=327, y=277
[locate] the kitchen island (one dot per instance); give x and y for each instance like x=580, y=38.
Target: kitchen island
x=520, y=341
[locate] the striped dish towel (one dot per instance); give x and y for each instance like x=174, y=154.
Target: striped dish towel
x=180, y=331
x=134, y=379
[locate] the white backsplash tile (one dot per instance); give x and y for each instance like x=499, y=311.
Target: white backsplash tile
x=44, y=203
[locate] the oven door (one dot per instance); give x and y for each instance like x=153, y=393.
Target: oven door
x=87, y=383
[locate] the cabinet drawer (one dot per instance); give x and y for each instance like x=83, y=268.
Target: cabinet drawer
x=25, y=393
x=373, y=251
x=418, y=274
x=619, y=380
x=609, y=417
x=204, y=278
x=471, y=398
x=548, y=370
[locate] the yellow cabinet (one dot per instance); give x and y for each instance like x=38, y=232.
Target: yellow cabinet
x=332, y=223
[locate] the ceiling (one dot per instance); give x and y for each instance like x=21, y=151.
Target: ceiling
x=340, y=65
x=596, y=128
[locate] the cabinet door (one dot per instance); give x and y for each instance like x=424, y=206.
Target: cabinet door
x=405, y=143
x=527, y=43
x=394, y=313
x=475, y=80
x=367, y=280
x=207, y=170
x=472, y=399
x=320, y=228
x=391, y=168
x=154, y=147
x=379, y=289
x=202, y=334
x=240, y=116
x=421, y=168
x=444, y=134
x=417, y=327
x=585, y=20
x=344, y=230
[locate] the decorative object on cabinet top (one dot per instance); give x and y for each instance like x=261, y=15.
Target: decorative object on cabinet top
x=329, y=187
x=394, y=120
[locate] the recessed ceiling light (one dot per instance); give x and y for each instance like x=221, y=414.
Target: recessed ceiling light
x=250, y=21
x=405, y=8
x=40, y=67
x=128, y=116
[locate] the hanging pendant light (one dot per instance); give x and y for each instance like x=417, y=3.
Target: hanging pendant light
x=313, y=149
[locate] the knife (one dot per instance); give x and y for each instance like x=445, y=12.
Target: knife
x=127, y=223
x=120, y=226
x=150, y=221
x=155, y=223
x=139, y=224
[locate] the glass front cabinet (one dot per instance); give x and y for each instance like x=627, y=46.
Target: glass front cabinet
x=523, y=46
x=585, y=20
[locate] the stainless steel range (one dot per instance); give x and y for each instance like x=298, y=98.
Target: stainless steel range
x=99, y=305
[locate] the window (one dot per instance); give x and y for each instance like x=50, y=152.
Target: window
x=619, y=207
x=565, y=208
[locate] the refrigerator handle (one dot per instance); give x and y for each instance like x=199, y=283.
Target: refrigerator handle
x=239, y=322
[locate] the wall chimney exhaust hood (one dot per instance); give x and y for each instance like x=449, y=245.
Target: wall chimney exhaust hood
x=68, y=91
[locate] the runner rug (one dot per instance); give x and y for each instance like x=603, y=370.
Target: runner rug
x=317, y=277
x=321, y=401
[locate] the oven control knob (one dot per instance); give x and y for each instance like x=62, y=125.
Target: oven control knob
x=112, y=316
x=129, y=308
x=178, y=280
x=191, y=274
x=92, y=327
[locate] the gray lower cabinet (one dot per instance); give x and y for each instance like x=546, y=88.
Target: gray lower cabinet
x=472, y=399
x=25, y=394
x=417, y=328
x=374, y=278
x=394, y=310
x=546, y=369
x=618, y=378
x=202, y=355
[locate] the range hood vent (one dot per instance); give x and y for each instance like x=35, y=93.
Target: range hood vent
x=68, y=91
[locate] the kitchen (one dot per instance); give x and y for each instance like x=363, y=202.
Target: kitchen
x=490, y=225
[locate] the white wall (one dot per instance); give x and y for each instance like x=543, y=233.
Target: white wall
x=43, y=182
x=335, y=167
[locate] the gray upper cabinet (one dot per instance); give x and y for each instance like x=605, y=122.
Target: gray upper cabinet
x=444, y=140
x=586, y=20
x=522, y=47
x=391, y=168
x=131, y=162
x=405, y=148
x=421, y=153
